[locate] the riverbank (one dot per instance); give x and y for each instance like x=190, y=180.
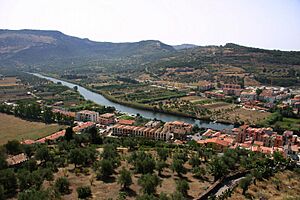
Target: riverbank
x=139, y=105
x=150, y=113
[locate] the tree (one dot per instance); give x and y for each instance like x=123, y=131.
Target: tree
x=3, y=163
x=95, y=138
x=149, y=183
x=29, y=180
x=194, y=160
x=31, y=165
x=84, y=192
x=69, y=133
x=33, y=194
x=182, y=186
x=8, y=180
x=244, y=183
x=77, y=157
x=177, y=166
x=2, y=193
x=106, y=169
x=163, y=153
x=109, y=151
x=257, y=174
x=48, y=115
x=13, y=147
x=62, y=185
x=218, y=168
x=124, y=178
x=199, y=172
x=143, y=163
x=160, y=165
x=28, y=150
x=258, y=91
x=163, y=196
x=43, y=154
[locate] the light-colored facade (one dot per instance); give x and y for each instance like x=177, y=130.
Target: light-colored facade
x=87, y=115
x=139, y=131
x=107, y=118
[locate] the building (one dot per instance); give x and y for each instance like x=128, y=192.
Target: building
x=179, y=129
x=248, y=96
x=153, y=124
x=232, y=89
x=128, y=122
x=204, y=86
x=140, y=131
x=87, y=115
x=214, y=95
x=16, y=160
x=107, y=118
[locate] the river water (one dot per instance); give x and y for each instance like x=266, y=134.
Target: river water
x=99, y=99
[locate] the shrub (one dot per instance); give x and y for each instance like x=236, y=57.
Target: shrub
x=84, y=192
x=62, y=185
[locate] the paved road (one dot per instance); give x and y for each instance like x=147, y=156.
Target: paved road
x=228, y=185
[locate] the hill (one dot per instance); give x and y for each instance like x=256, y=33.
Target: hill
x=184, y=46
x=56, y=52
x=35, y=46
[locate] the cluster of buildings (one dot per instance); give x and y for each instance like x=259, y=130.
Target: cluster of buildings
x=153, y=130
x=263, y=140
x=87, y=115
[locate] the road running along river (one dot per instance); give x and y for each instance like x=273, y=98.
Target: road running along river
x=100, y=99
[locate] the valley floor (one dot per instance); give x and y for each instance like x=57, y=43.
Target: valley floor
x=15, y=128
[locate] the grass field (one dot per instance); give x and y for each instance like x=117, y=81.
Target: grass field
x=15, y=128
x=289, y=123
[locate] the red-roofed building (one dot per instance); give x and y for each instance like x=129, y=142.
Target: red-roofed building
x=107, y=118
x=126, y=121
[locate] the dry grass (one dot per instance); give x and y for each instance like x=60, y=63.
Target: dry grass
x=241, y=114
x=111, y=189
x=289, y=188
x=15, y=128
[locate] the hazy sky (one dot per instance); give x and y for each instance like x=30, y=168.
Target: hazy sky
x=272, y=24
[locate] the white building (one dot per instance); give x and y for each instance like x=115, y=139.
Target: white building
x=87, y=115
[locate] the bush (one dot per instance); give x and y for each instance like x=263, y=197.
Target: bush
x=62, y=185
x=84, y=192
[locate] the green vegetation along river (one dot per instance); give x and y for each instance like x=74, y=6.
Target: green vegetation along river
x=100, y=99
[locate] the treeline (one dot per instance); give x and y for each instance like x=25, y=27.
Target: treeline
x=35, y=112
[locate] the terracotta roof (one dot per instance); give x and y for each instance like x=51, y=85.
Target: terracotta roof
x=107, y=115
x=88, y=112
x=28, y=142
x=14, y=160
x=126, y=121
x=259, y=143
x=217, y=141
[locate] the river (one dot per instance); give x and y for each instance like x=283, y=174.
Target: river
x=99, y=99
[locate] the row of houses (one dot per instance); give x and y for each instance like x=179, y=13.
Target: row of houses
x=77, y=129
x=170, y=130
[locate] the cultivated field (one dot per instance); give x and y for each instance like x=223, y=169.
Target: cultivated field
x=15, y=128
x=241, y=114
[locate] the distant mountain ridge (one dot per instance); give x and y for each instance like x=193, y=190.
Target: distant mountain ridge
x=28, y=45
x=44, y=50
